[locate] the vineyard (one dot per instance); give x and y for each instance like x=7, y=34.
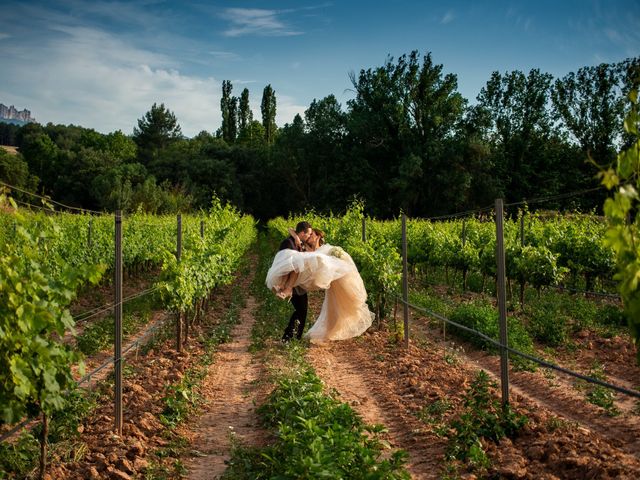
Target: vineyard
x=145, y=346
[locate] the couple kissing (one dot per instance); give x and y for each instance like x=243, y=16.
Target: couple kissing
x=304, y=263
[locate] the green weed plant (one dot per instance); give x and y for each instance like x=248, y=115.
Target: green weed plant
x=483, y=419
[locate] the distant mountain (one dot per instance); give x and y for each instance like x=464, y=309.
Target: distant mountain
x=12, y=115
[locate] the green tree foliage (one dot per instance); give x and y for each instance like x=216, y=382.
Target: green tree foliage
x=268, y=109
x=121, y=146
x=590, y=103
x=8, y=133
x=292, y=174
x=114, y=187
x=623, y=234
x=40, y=152
x=253, y=136
x=15, y=171
x=233, y=119
x=323, y=167
x=402, y=119
x=520, y=132
x=156, y=131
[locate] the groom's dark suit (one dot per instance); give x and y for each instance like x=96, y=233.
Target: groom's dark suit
x=299, y=300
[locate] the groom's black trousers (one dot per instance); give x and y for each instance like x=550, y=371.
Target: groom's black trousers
x=300, y=303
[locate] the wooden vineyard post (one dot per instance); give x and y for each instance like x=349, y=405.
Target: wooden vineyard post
x=464, y=242
x=522, y=245
x=178, y=257
x=117, y=350
x=405, y=281
x=502, y=304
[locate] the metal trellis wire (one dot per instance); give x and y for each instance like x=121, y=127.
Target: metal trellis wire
x=539, y=361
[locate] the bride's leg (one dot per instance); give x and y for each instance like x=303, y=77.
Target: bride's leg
x=287, y=290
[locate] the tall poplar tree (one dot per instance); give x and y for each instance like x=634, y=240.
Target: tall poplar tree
x=229, y=109
x=233, y=120
x=245, y=116
x=268, y=109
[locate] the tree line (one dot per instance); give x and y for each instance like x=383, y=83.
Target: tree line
x=408, y=141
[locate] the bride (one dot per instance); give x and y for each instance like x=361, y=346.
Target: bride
x=344, y=312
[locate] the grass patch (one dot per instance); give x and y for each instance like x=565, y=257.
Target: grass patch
x=597, y=394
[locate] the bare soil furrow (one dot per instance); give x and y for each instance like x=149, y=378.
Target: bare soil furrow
x=231, y=388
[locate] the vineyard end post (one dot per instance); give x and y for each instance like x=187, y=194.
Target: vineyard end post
x=502, y=305
x=179, y=256
x=405, y=281
x=117, y=350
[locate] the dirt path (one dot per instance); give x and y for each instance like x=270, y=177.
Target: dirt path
x=232, y=390
x=346, y=367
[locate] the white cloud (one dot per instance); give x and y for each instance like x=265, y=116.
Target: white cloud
x=256, y=21
x=4, y=35
x=626, y=39
x=447, y=18
x=92, y=79
x=286, y=109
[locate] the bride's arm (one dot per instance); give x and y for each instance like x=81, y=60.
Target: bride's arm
x=295, y=236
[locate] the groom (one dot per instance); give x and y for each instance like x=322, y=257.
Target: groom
x=299, y=298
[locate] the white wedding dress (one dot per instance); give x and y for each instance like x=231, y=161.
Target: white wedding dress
x=344, y=313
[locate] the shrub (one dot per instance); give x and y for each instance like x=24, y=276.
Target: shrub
x=548, y=327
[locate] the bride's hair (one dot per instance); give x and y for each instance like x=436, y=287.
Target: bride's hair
x=320, y=235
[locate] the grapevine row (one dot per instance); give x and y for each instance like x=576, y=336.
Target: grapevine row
x=552, y=250
x=47, y=257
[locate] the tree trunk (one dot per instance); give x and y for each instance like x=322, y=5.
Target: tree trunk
x=43, y=445
x=464, y=279
x=588, y=283
x=187, y=322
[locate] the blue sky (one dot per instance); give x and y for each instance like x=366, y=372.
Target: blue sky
x=102, y=64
